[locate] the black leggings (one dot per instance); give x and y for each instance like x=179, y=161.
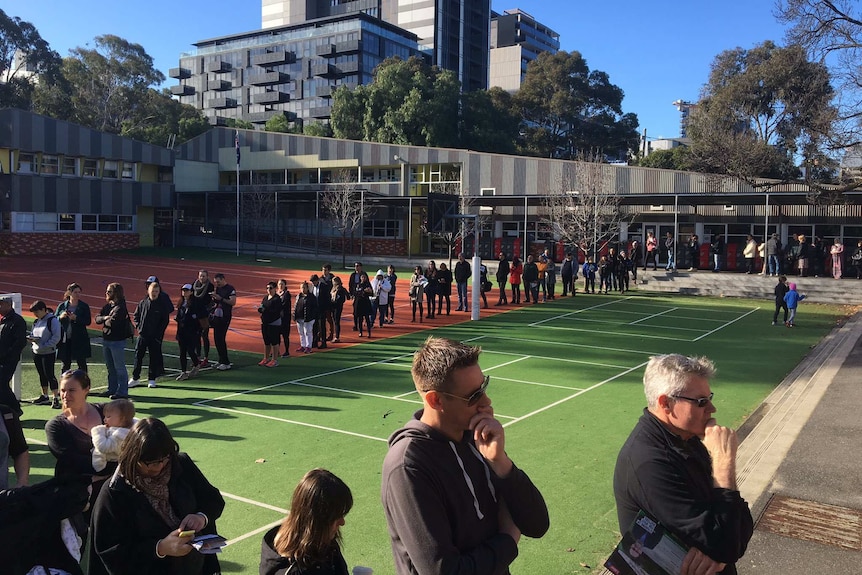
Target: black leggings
x=440, y=298
x=336, y=318
x=45, y=368
x=414, y=303
x=187, y=349
x=516, y=293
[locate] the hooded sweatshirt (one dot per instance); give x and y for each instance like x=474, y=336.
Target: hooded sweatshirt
x=271, y=563
x=441, y=500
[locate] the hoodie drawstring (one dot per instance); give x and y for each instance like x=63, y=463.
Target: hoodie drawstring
x=469, y=482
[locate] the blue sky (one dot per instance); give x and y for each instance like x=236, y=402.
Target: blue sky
x=657, y=52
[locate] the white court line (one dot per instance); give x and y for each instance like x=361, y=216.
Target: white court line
x=315, y=376
x=537, y=383
x=578, y=311
x=567, y=344
x=553, y=359
x=725, y=325
x=574, y=395
x=618, y=333
x=365, y=393
x=405, y=394
x=521, y=358
x=253, y=502
x=654, y=315
x=301, y=423
x=253, y=533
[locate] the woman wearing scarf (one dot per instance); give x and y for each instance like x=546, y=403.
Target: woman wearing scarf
x=202, y=291
x=155, y=495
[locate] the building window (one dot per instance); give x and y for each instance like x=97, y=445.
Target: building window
x=111, y=170
x=91, y=168
x=382, y=229
x=66, y=222
x=50, y=165
x=106, y=223
x=488, y=191
x=70, y=167
x=36, y=222
x=128, y=171
x=26, y=163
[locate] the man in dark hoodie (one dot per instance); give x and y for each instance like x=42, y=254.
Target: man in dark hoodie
x=454, y=501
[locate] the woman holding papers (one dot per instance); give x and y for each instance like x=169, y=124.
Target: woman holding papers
x=149, y=512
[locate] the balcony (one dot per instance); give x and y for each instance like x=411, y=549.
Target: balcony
x=320, y=113
x=349, y=67
x=324, y=91
x=221, y=103
x=182, y=90
x=274, y=97
x=273, y=58
x=268, y=78
x=219, y=85
x=325, y=50
x=323, y=69
x=263, y=117
x=218, y=66
x=180, y=73
x=348, y=46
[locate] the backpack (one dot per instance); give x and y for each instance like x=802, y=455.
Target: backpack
x=51, y=331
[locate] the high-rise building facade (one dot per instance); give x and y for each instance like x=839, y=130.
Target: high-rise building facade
x=516, y=40
x=290, y=70
x=454, y=33
x=685, y=107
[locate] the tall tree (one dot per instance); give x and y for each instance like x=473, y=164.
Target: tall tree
x=568, y=110
x=675, y=159
x=160, y=119
x=489, y=121
x=409, y=102
x=831, y=31
x=24, y=56
x=761, y=110
x=109, y=82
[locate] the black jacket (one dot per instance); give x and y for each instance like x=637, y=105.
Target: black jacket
x=13, y=338
x=270, y=309
x=503, y=271
x=271, y=563
x=305, y=308
x=115, y=322
x=153, y=316
x=671, y=479
x=531, y=272
x=125, y=528
x=462, y=271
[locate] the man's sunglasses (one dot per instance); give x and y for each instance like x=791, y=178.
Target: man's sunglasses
x=699, y=401
x=474, y=397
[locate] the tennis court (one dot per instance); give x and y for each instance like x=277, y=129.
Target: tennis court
x=565, y=382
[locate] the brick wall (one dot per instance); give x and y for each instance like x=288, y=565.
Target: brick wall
x=31, y=244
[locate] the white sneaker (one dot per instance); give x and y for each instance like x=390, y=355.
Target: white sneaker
x=224, y=366
x=151, y=383
x=183, y=376
x=134, y=383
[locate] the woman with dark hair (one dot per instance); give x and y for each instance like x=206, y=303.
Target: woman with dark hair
x=44, y=339
x=270, y=309
x=116, y=329
x=74, y=316
x=156, y=494
x=339, y=297
x=432, y=288
x=308, y=541
x=417, y=291
x=362, y=292
x=305, y=314
x=188, y=335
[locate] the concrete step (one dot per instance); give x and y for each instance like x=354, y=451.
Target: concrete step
x=846, y=291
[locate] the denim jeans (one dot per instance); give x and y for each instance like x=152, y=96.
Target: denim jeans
x=115, y=361
x=462, y=296
x=773, y=265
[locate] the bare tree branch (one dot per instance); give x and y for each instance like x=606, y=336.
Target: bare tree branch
x=342, y=205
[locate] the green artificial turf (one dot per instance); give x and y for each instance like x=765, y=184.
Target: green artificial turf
x=565, y=381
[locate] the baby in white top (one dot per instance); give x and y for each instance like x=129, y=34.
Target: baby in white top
x=119, y=418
